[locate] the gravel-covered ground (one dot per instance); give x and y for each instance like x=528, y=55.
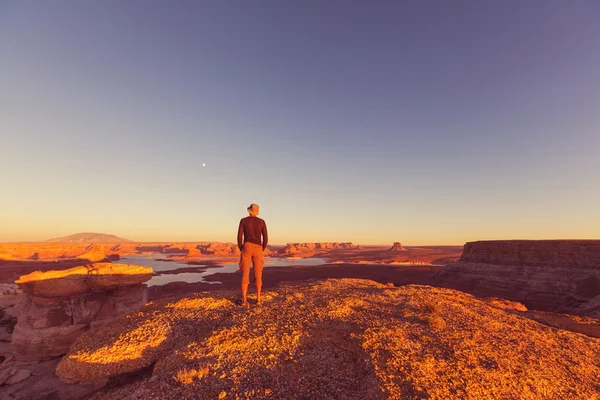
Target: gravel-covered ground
x=337, y=339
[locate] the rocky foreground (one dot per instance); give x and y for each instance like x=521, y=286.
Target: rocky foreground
x=336, y=339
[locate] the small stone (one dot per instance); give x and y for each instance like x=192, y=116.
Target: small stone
x=19, y=377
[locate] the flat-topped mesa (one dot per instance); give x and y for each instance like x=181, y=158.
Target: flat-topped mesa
x=60, y=305
x=292, y=248
x=552, y=253
x=397, y=246
x=551, y=275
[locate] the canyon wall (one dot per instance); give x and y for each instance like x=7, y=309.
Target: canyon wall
x=550, y=275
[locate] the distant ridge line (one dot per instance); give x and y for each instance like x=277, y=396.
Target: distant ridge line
x=89, y=237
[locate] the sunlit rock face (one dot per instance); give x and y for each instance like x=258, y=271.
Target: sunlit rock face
x=95, y=254
x=551, y=275
x=308, y=249
x=337, y=339
x=60, y=305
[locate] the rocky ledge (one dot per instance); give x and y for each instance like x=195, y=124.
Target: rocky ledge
x=342, y=339
x=550, y=275
x=61, y=305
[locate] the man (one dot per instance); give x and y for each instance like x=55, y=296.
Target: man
x=250, y=230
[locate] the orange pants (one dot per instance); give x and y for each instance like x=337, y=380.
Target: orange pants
x=251, y=253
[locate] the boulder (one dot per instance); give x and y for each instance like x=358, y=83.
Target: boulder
x=10, y=289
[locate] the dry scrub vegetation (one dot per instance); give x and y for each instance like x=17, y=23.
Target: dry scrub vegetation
x=338, y=339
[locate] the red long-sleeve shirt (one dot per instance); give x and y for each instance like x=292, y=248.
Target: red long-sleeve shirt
x=250, y=230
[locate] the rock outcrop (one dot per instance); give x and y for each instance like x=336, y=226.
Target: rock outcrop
x=194, y=253
x=550, y=275
x=221, y=250
x=397, y=246
x=61, y=305
x=95, y=254
x=312, y=248
x=338, y=339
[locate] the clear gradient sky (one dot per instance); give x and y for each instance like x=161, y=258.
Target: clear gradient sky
x=426, y=122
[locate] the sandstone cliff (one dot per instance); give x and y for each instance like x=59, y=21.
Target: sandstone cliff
x=337, y=339
x=93, y=252
x=552, y=275
x=313, y=248
x=60, y=305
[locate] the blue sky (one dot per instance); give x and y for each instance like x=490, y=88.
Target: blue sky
x=422, y=122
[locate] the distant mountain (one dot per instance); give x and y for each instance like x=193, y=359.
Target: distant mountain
x=89, y=237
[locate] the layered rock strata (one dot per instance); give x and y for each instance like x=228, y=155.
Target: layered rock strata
x=293, y=248
x=550, y=275
x=61, y=305
x=95, y=252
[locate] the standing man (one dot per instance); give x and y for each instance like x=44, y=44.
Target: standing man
x=250, y=230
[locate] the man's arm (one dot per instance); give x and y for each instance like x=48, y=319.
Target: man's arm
x=240, y=235
x=265, y=235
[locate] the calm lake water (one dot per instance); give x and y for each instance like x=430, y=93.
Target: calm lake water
x=228, y=266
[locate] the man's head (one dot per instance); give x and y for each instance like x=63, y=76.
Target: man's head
x=253, y=209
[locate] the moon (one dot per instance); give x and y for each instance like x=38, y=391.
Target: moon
x=204, y=164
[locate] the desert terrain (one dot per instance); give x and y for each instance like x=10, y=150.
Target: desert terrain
x=107, y=320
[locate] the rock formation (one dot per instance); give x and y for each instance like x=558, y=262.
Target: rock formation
x=60, y=305
x=550, y=275
x=397, y=246
x=313, y=248
x=108, y=251
x=337, y=339
x=194, y=253
x=221, y=249
x=95, y=254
